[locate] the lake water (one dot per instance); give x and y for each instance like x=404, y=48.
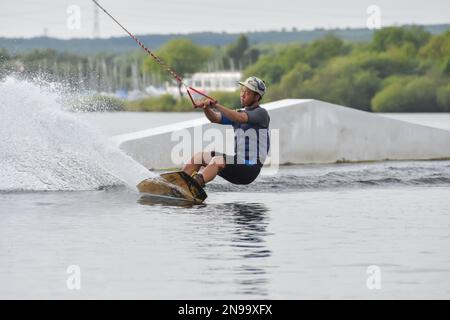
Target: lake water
x=305, y=238
x=340, y=231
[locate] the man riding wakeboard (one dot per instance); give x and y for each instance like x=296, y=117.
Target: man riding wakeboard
x=251, y=138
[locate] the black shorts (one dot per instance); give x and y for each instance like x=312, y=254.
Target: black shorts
x=237, y=173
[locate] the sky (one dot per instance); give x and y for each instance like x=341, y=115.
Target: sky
x=60, y=18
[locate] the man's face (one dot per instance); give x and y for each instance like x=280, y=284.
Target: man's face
x=248, y=97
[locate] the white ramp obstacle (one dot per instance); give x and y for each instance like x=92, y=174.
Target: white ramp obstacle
x=302, y=131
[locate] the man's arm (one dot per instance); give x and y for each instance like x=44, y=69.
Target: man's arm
x=240, y=117
x=212, y=116
x=234, y=116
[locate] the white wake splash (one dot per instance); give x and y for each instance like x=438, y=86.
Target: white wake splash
x=45, y=148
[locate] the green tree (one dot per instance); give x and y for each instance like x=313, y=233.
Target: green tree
x=437, y=52
x=291, y=83
x=324, y=49
x=407, y=94
x=385, y=64
x=236, y=51
x=267, y=69
x=443, y=98
x=343, y=82
x=398, y=36
x=250, y=57
x=182, y=55
x=272, y=67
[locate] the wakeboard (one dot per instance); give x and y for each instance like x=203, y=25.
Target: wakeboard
x=174, y=185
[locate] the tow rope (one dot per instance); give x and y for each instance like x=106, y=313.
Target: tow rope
x=171, y=72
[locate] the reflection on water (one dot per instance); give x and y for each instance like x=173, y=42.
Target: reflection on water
x=242, y=227
x=250, y=221
x=251, y=224
x=228, y=248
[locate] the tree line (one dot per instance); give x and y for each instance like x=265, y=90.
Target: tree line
x=402, y=69
x=214, y=39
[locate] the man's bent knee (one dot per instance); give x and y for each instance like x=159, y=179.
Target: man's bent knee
x=218, y=161
x=201, y=158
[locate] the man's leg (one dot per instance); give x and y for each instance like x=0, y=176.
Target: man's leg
x=212, y=169
x=200, y=159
